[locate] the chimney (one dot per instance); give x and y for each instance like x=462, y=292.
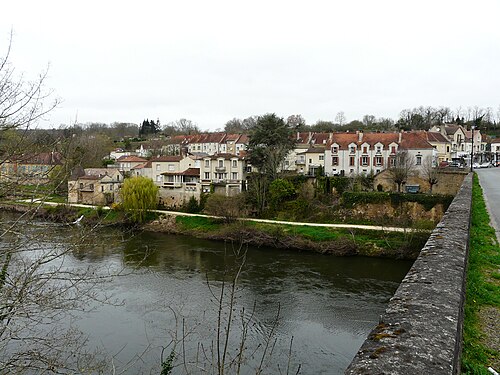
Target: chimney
x=400, y=136
x=360, y=136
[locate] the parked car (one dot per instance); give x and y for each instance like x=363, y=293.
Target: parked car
x=486, y=164
x=476, y=165
x=455, y=164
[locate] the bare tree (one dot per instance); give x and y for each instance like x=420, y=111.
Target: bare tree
x=340, y=118
x=39, y=288
x=430, y=172
x=402, y=168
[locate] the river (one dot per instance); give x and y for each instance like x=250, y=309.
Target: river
x=170, y=286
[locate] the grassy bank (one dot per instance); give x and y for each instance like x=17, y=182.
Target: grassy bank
x=334, y=241
x=483, y=291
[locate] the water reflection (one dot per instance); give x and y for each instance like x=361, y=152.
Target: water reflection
x=327, y=304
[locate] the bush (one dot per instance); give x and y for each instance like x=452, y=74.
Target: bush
x=229, y=208
x=280, y=190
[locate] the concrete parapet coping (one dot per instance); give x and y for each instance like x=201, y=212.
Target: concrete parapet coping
x=421, y=329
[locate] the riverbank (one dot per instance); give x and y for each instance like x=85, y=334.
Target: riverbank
x=351, y=241
x=324, y=240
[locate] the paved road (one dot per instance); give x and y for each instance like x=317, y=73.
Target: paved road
x=490, y=182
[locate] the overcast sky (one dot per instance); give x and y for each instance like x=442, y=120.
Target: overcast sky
x=211, y=61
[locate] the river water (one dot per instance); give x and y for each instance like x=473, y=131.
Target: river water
x=170, y=286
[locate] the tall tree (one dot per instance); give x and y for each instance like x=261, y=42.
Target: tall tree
x=270, y=141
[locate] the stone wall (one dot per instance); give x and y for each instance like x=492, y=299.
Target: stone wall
x=421, y=329
x=449, y=182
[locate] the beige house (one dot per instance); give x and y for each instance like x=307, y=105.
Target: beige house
x=225, y=173
x=30, y=168
x=441, y=144
x=126, y=163
x=308, y=162
x=95, y=186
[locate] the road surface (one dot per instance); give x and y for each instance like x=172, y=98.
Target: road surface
x=489, y=179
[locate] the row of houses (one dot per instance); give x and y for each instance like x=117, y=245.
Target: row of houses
x=218, y=162
x=180, y=177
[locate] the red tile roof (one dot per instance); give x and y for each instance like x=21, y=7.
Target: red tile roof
x=134, y=159
x=193, y=172
x=225, y=156
x=42, y=158
x=435, y=137
x=320, y=138
x=167, y=158
x=414, y=141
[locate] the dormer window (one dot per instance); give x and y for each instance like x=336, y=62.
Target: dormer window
x=335, y=149
x=379, y=149
x=365, y=150
x=352, y=149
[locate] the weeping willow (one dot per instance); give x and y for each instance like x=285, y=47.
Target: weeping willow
x=139, y=195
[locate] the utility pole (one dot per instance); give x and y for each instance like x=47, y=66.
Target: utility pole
x=472, y=150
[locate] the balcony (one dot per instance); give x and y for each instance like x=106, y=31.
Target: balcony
x=172, y=184
x=220, y=169
x=300, y=162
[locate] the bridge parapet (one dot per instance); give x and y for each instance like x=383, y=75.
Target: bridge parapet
x=421, y=329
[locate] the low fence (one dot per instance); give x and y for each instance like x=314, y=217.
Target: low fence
x=421, y=329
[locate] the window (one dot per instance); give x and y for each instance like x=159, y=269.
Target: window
x=235, y=163
x=335, y=149
x=351, y=161
x=335, y=160
x=171, y=167
x=81, y=185
x=158, y=178
x=207, y=175
x=322, y=157
x=221, y=163
x=379, y=149
x=102, y=188
x=393, y=149
x=207, y=163
x=419, y=159
x=352, y=149
x=310, y=161
x=365, y=150
x=378, y=160
x=392, y=161
x=111, y=187
x=287, y=163
x=364, y=160
x=91, y=186
x=234, y=176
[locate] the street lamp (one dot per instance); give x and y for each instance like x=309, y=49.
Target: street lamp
x=472, y=151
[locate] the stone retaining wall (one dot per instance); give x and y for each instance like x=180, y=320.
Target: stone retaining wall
x=421, y=329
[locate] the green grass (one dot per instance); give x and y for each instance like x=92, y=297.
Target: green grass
x=367, y=239
x=483, y=288
x=197, y=223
